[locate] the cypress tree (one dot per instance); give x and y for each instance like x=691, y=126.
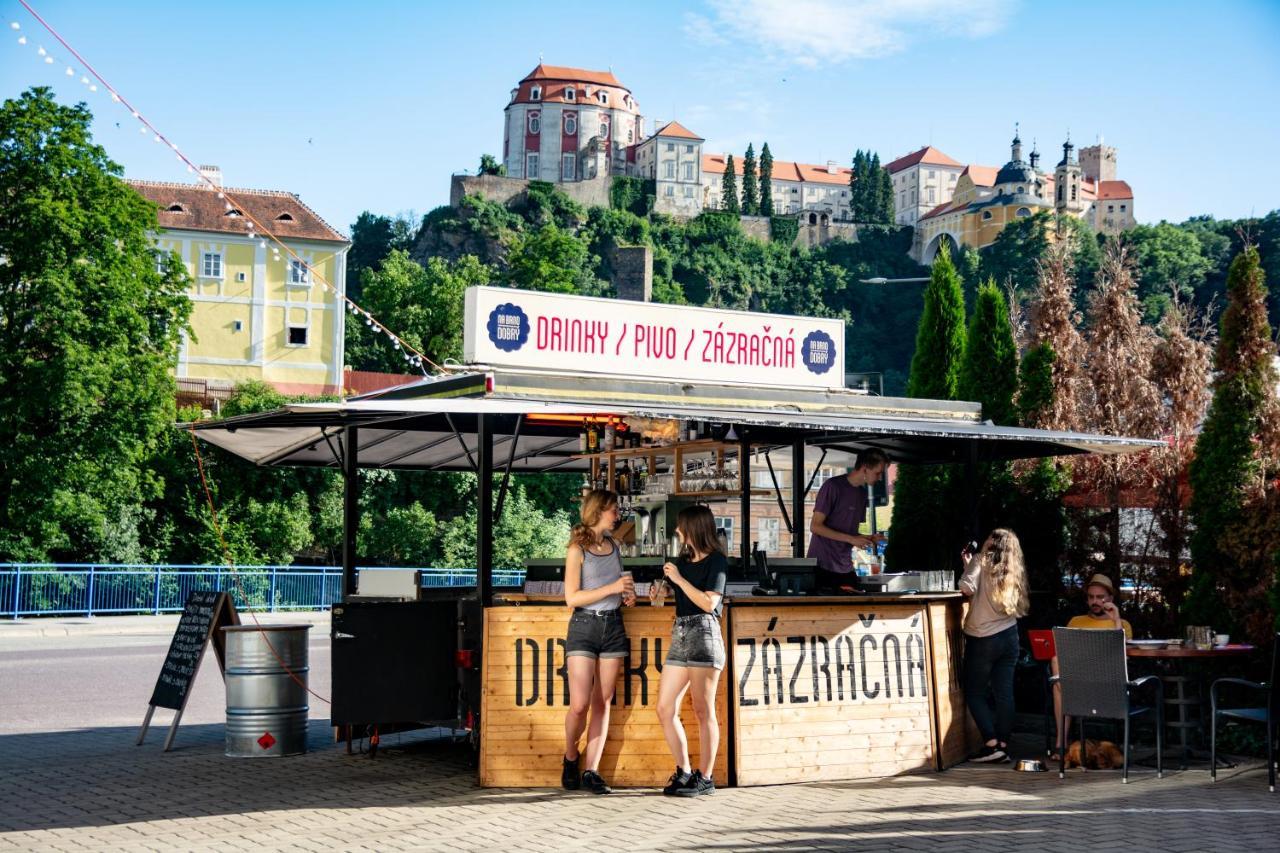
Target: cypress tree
x=729, y=187
x=989, y=373
x=886, y=197
x=766, y=181
x=859, y=187
x=1232, y=474
x=926, y=519
x=750, y=205
x=875, y=191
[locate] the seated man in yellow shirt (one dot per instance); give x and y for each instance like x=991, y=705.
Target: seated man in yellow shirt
x=1100, y=596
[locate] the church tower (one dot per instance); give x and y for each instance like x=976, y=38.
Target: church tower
x=1066, y=182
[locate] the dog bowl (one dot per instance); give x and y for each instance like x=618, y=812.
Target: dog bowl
x=1030, y=765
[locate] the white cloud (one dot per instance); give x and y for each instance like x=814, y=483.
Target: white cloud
x=812, y=33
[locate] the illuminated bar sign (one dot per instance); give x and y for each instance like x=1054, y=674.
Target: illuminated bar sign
x=553, y=331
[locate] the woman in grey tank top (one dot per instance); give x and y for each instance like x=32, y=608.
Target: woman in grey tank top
x=596, y=645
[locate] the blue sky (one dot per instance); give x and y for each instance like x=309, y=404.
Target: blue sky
x=373, y=106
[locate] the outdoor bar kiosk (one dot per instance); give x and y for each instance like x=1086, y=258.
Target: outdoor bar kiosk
x=816, y=687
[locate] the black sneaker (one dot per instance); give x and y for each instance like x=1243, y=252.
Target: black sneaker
x=697, y=786
x=990, y=755
x=678, y=780
x=594, y=783
x=569, y=778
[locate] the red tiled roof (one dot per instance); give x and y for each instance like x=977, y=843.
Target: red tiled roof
x=576, y=75
x=982, y=176
x=927, y=154
x=944, y=208
x=783, y=170
x=1114, y=189
x=675, y=128
x=202, y=210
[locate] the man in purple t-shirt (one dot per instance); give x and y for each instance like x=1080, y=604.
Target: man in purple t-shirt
x=840, y=509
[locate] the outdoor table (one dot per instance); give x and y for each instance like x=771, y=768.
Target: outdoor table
x=1173, y=658
x=815, y=687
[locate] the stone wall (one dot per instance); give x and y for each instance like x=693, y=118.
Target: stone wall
x=757, y=227
x=633, y=272
x=591, y=193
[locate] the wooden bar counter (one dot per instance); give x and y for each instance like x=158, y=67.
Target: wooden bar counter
x=840, y=687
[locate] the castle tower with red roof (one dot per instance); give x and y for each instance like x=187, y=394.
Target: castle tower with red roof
x=569, y=124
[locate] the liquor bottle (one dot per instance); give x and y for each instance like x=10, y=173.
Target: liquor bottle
x=610, y=435
x=593, y=438
x=582, y=438
x=624, y=478
x=693, y=431
x=640, y=478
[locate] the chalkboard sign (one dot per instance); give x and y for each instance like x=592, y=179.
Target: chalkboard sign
x=205, y=612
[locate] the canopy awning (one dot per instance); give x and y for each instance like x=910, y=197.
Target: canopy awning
x=440, y=434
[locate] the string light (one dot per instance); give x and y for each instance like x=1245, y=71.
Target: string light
x=416, y=359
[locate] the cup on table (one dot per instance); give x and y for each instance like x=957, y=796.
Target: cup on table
x=1221, y=639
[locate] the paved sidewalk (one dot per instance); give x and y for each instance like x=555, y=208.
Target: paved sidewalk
x=93, y=789
x=84, y=626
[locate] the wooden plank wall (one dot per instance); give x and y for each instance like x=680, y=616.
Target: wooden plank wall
x=830, y=692
x=526, y=693
x=957, y=735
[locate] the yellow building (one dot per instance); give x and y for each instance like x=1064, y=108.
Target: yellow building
x=257, y=313
x=987, y=199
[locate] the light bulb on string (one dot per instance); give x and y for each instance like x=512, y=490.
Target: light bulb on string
x=71, y=72
x=115, y=97
x=142, y=129
x=14, y=25
x=93, y=87
x=84, y=79
x=22, y=39
x=41, y=50
x=157, y=139
x=48, y=60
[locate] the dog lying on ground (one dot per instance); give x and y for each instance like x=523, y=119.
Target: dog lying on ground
x=1099, y=755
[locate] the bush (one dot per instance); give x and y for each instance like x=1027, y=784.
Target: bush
x=783, y=229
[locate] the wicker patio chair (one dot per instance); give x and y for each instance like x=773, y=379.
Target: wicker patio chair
x=1267, y=715
x=1094, y=677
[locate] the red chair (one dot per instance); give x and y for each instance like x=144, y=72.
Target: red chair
x=1042, y=650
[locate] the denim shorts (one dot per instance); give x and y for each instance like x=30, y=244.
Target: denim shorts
x=696, y=641
x=597, y=634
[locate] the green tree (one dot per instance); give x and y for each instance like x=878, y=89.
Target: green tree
x=860, y=188
x=750, y=199
x=1169, y=260
x=89, y=332
x=885, y=204
x=926, y=529
x=1232, y=474
x=766, y=181
x=1012, y=257
x=729, y=188
x=989, y=372
x=422, y=304
x=489, y=165
x=553, y=259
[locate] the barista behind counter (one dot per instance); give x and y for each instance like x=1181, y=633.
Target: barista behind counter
x=839, y=511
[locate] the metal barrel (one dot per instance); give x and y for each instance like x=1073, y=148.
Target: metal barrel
x=266, y=705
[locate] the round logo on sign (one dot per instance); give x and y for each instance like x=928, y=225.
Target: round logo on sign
x=818, y=351
x=508, y=327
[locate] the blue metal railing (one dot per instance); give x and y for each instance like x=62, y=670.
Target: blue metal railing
x=40, y=589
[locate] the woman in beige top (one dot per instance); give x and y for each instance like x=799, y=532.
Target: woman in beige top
x=995, y=581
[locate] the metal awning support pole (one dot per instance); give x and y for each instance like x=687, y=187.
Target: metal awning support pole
x=971, y=489
x=484, y=515
x=816, y=469
x=350, y=509
x=506, y=473
x=798, y=496
x=744, y=476
x=777, y=493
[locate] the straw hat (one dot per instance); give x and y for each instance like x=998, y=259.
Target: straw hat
x=1102, y=581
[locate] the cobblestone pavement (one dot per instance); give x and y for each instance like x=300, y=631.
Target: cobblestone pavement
x=93, y=789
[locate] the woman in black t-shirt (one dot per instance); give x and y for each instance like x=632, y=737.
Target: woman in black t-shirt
x=696, y=654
